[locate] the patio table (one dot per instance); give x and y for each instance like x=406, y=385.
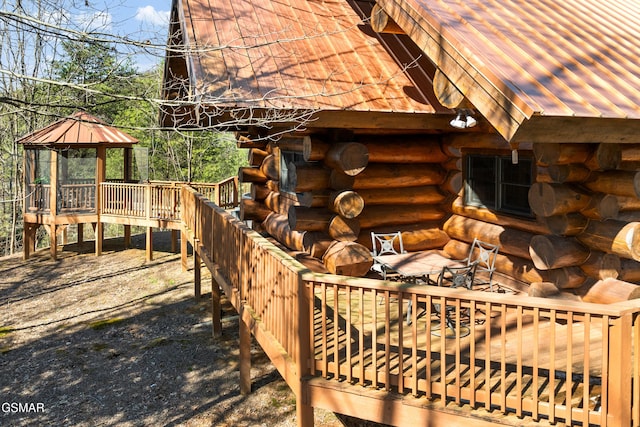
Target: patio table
x=412, y=265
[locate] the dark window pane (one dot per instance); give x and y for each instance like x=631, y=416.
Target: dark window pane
x=496, y=183
x=480, y=183
x=515, y=199
x=519, y=173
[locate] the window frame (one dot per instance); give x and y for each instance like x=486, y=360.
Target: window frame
x=499, y=181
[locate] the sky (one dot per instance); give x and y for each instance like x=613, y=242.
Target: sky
x=139, y=20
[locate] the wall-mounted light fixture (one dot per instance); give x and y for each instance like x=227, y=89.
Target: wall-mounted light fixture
x=464, y=119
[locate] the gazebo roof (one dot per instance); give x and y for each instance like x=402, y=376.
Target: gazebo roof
x=80, y=130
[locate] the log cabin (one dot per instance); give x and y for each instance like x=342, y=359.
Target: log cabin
x=514, y=123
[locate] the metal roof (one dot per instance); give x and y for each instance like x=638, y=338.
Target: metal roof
x=298, y=54
x=516, y=60
x=79, y=129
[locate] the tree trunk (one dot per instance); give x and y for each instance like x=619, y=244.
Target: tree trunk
x=256, y=156
x=601, y=207
x=249, y=174
x=294, y=144
x=453, y=182
x=259, y=191
x=314, y=149
x=605, y=157
x=309, y=178
x=608, y=291
x=561, y=154
x=348, y=258
x=348, y=204
x=382, y=23
x=569, y=224
x=601, y=265
x=270, y=167
x=404, y=150
x=549, y=252
x=309, y=219
x=427, y=194
x=513, y=242
x=620, y=238
x=616, y=182
x=278, y=226
x=385, y=215
x=629, y=270
x=350, y=158
x=550, y=290
x=254, y=211
x=244, y=141
x=392, y=175
x=555, y=199
x=568, y=173
x=316, y=243
x=343, y=229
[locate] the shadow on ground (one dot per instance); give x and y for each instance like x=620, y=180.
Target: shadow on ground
x=117, y=340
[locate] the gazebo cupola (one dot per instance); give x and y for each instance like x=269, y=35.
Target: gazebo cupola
x=64, y=165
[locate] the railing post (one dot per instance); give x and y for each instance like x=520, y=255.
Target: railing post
x=304, y=411
x=147, y=201
x=620, y=368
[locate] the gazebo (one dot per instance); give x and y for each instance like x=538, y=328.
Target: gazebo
x=64, y=165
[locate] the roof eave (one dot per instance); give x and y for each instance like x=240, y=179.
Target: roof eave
x=491, y=97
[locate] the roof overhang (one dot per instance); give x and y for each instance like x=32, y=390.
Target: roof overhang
x=507, y=70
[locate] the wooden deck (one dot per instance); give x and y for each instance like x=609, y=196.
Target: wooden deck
x=343, y=344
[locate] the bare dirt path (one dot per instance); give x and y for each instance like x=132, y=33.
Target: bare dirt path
x=116, y=340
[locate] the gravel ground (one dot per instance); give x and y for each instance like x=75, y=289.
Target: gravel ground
x=116, y=340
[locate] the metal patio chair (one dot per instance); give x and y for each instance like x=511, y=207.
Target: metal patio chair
x=484, y=255
x=385, y=244
x=454, y=277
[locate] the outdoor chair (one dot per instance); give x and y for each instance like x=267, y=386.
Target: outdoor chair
x=454, y=277
x=385, y=244
x=484, y=255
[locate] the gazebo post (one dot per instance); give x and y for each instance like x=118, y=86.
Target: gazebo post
x=53, y=205
x=101, y=172
x=128, y=167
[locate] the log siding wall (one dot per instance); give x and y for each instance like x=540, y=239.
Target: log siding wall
x=585, y=199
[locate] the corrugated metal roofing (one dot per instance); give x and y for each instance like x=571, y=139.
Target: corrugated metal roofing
x=79, y=129
x=569, y=58
x=308, y=54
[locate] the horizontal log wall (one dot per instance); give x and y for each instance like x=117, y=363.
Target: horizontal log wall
x=586, y=200
x=588, y=195
x=348, y=187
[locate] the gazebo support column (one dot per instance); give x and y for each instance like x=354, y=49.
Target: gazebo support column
x=28, y=239
x=149, y=243
x=80, y=236
x=174, y=241
x=53, y=239
x=98, y=231
x=127, y=236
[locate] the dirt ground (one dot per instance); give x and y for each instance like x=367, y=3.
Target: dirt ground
x=116, y=340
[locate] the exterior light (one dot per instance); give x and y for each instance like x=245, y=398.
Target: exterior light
x=464, y=119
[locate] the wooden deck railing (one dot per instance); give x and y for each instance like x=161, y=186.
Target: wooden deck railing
x=159, y=199
x=546, y=359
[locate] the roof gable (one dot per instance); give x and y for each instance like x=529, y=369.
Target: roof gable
x=311, y=55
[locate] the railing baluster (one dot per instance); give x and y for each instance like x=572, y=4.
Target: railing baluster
x=552, y=366
x=568, y=369
x=487, y=357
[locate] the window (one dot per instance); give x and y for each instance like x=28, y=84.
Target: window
x=494, y=182
x=288, y=159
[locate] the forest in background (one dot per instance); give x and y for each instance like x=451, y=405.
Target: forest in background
x=50, y=69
